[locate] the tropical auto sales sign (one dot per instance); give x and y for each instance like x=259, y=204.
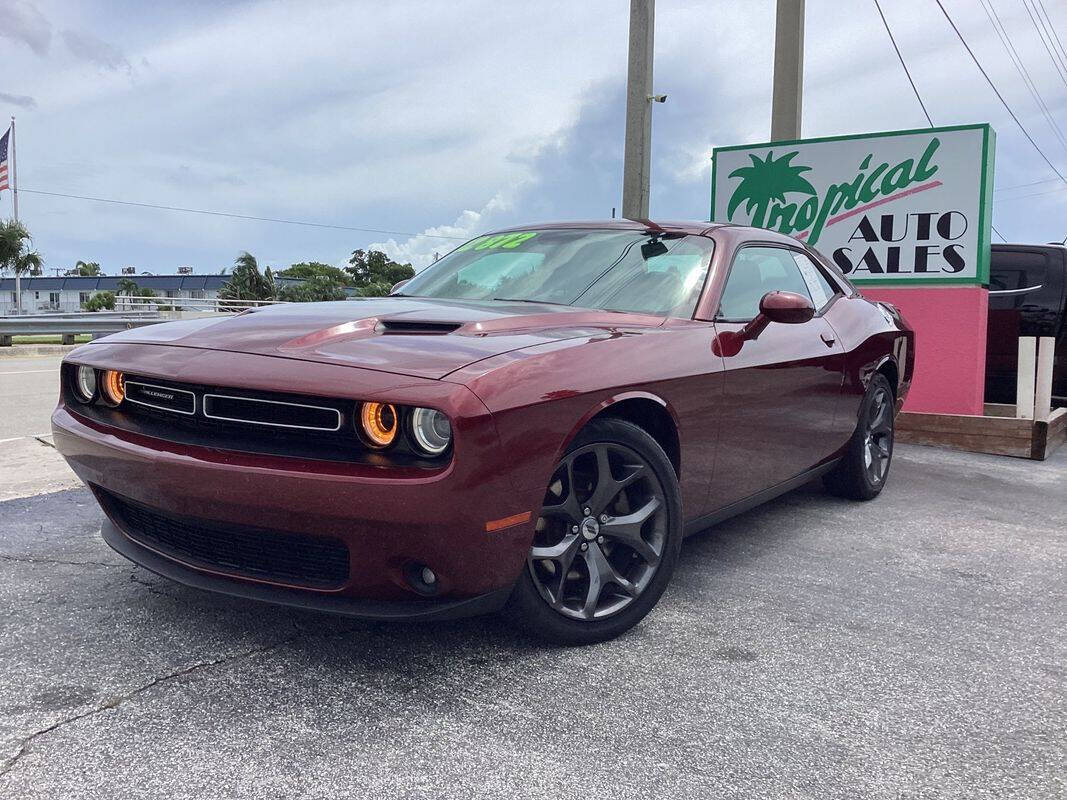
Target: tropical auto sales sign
x=891, y=208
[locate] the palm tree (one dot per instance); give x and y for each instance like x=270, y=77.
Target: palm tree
x=86, y=269
x=16, y=255
x=127, y=286
x=29, y=261
x=14, y=239
x=246, y=282
x=765, y=181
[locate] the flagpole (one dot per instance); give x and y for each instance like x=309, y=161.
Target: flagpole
x=15, y=208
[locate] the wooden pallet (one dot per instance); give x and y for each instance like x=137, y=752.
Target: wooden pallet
x=997, y=432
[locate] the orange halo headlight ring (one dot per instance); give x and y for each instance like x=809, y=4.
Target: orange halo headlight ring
x=380, y=423
x=113, y=389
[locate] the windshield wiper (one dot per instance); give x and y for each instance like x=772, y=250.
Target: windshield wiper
x=528, y=300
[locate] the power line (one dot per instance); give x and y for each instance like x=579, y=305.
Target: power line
x=239, y=216
x=1052, y=28
x=996, y=91
x=1020, y=67
x=905, y=66
x=1024, y=185
x=1031, y=194
x=915, y=89
x=1061, y=71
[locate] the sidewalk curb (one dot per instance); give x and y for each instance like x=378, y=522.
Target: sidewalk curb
x=31, y=350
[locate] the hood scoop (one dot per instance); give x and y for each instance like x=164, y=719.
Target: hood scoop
x=420, y=327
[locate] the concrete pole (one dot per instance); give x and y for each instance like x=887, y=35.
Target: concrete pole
x=788, y=70
x=638, y=149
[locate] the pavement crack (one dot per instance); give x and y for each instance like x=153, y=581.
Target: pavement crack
x=59, y=561
x=117, y=700
x=151, y=587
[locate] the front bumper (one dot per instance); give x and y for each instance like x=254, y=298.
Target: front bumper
x=387, y=518
x=335, y=604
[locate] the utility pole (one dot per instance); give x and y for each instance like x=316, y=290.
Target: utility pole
x=638, y=147
x=788, y=70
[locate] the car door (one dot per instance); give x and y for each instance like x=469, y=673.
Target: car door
x=781, y=389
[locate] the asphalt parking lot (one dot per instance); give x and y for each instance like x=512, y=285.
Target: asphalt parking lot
x=813, y=648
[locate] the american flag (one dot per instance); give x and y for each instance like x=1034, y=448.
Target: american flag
x=3, y=160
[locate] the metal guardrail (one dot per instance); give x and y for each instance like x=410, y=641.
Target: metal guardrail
x=70, y=326
x=189, y=304
x=147, y=314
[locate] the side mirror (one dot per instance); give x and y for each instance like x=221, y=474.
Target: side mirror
x=399, y=285
x=789, y=308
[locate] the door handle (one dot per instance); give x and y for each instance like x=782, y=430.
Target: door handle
x=827, y=339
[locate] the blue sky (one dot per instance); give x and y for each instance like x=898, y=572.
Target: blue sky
x=453, y=118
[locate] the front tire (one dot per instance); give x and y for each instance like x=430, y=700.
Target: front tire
x=862, y=472
x=607, y=540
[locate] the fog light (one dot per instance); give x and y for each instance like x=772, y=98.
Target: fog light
x=421, y=578
x=113, y=389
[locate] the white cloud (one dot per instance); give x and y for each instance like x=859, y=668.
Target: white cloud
x=421, y=250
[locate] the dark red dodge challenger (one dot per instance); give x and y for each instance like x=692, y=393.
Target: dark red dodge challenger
x=531, y=424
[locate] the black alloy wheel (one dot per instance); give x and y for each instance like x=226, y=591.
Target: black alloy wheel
x=878, y=436
x=607, y=538
x=864, y=468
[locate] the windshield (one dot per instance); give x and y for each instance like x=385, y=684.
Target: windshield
x=621, y=271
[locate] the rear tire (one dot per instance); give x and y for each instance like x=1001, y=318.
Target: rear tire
x=607, y=541
x=863, y=470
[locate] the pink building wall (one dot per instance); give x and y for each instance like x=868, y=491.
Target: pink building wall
x=950, y=344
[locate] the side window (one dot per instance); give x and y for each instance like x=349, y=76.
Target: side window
x=756, y=271
x=819, y=286
x=1015, y=278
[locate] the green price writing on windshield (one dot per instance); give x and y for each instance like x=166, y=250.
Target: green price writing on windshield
x=505, y=241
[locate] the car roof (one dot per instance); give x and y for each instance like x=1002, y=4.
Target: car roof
x=668, y=226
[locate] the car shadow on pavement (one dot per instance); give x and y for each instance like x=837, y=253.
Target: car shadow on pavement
x=348, y=645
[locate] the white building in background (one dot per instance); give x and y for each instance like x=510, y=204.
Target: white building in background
x=69, y=294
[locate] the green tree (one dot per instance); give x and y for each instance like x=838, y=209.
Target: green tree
x=247, y=282
x=100, y=301
x=765, y=181
x=313, y=269
x=15, y=252
x=127, y=286
x=374, y=273
x=86, y=269
x=30, y=262
x=316, y=289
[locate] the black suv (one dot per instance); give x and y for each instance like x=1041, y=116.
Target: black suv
x=1027, y=296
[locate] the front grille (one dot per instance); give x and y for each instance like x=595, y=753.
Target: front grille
x=276, y=413
x=248, y=421
x=290, y=558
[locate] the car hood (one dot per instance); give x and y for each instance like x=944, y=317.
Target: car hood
x=421, y=337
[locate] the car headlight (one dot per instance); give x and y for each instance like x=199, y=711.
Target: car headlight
x=113, y=388
x=85, y=384
x=431, y=430
x=380, y=423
